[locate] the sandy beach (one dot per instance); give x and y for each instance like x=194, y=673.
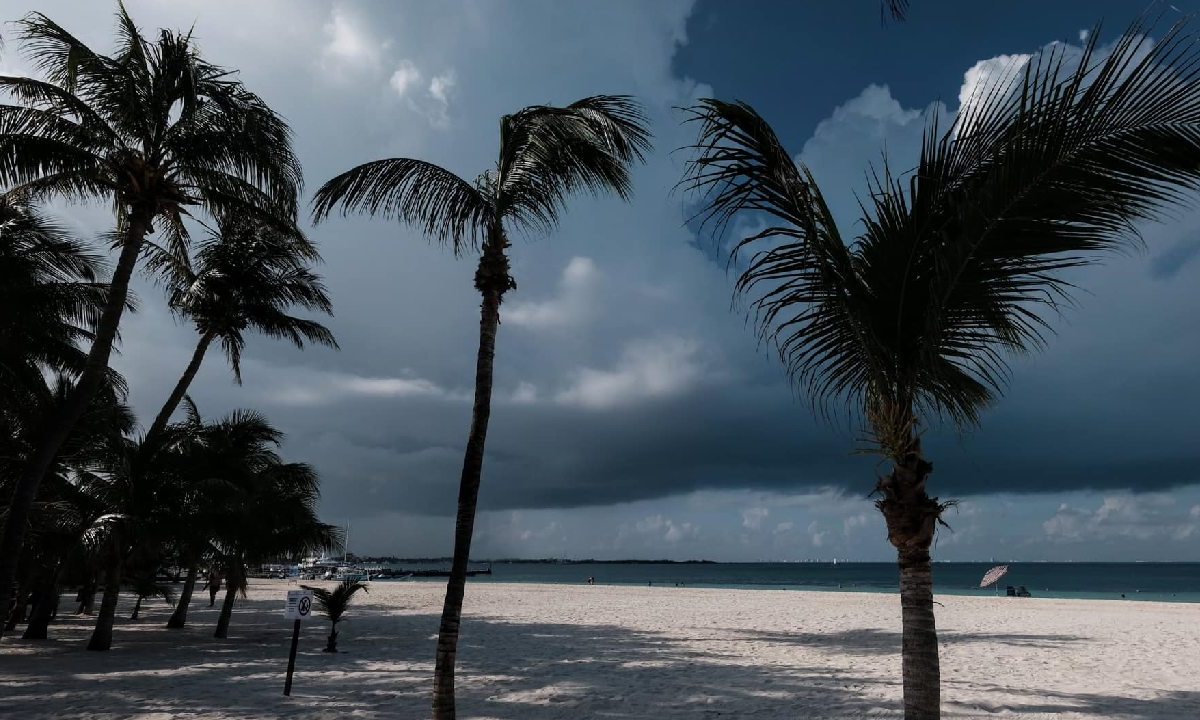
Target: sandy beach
x=560, y=651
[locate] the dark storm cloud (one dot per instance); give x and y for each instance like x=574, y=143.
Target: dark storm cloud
x=622, y=376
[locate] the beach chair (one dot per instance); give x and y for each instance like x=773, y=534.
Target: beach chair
x=1010, y=591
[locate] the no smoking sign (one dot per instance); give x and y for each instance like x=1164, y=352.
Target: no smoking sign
x=299, y=605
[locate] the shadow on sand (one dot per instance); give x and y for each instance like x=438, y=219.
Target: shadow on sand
x=507, y=671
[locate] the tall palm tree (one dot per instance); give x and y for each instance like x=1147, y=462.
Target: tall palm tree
x=269, y=506
x=334, y=604
x=246, y=275
x=546, y=155
x=133, y=482
x=958, y=265
x=153, y=129
x=64, y=509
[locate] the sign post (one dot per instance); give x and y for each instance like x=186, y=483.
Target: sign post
x=298, y=608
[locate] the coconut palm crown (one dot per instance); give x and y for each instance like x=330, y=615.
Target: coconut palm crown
x=246, y=274
x=959, y=264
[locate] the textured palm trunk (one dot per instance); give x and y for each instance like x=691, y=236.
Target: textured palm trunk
x=912, y=518
x=222, y=630
x=86, y=386
x=102, y=634
x=179, y=617
x=232, y=583
x=331, y=642
x=17, y=614
x=181, y=387
x=492, y=279
x=44, y=603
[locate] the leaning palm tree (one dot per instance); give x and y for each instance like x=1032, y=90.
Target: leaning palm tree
x=958, y=265
x=246, y=275
x=334, y=604
x=546, y=155
x=152, y=129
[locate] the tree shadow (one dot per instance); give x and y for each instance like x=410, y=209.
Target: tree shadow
x=1167, y=705
x=506, y=671
x=872, y=641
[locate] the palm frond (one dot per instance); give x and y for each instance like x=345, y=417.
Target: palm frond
x=436, y=201
x=549, y=153
x=961, y=264
x=799, y=281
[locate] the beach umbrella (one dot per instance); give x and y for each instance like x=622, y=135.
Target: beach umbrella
x=993, y=575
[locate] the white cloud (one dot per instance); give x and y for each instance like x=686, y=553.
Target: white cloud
x=405, y=76
x=306, y=388
x=441, y=90
x=525, y=394
x=348, y=42
x=573, y=305
x=855, y=521
x=675, y=533
x=1138, y=517
x=1084, y=34
x=648, y=369
x=753, y=517
x=986, y=75
x=441, y=86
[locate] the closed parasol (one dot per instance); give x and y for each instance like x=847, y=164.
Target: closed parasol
x=993, y=575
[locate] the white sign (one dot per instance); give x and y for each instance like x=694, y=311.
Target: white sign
x=299, y=605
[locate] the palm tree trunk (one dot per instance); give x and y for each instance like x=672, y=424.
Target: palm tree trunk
x=96, y=366
x=492, y=279
x=232, y=585
x=912, y=518
x=331, y=643
x=44, y=602
x=102, y=634
x=43, y=610
x=226, y=613
x=179, y=617
x=181, y=387
x=137, y=609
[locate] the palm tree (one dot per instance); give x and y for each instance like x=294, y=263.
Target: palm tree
x=958, y=265
x=153, y=129
x=64, y=509
x=133, y=483
x=546, y=155
x=334, y=604
x=49, y=298
x=269, y=508
x=247, y=274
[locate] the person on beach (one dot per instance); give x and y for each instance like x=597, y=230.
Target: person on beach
x=84, y=597
x=213, y=584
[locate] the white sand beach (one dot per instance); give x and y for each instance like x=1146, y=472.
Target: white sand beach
x=543, y=652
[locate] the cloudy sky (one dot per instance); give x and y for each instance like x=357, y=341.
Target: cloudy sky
x=634, y=415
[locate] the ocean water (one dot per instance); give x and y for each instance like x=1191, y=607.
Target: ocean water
x=1170, y=582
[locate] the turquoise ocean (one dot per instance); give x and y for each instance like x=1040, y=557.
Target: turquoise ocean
x=1170, y=582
